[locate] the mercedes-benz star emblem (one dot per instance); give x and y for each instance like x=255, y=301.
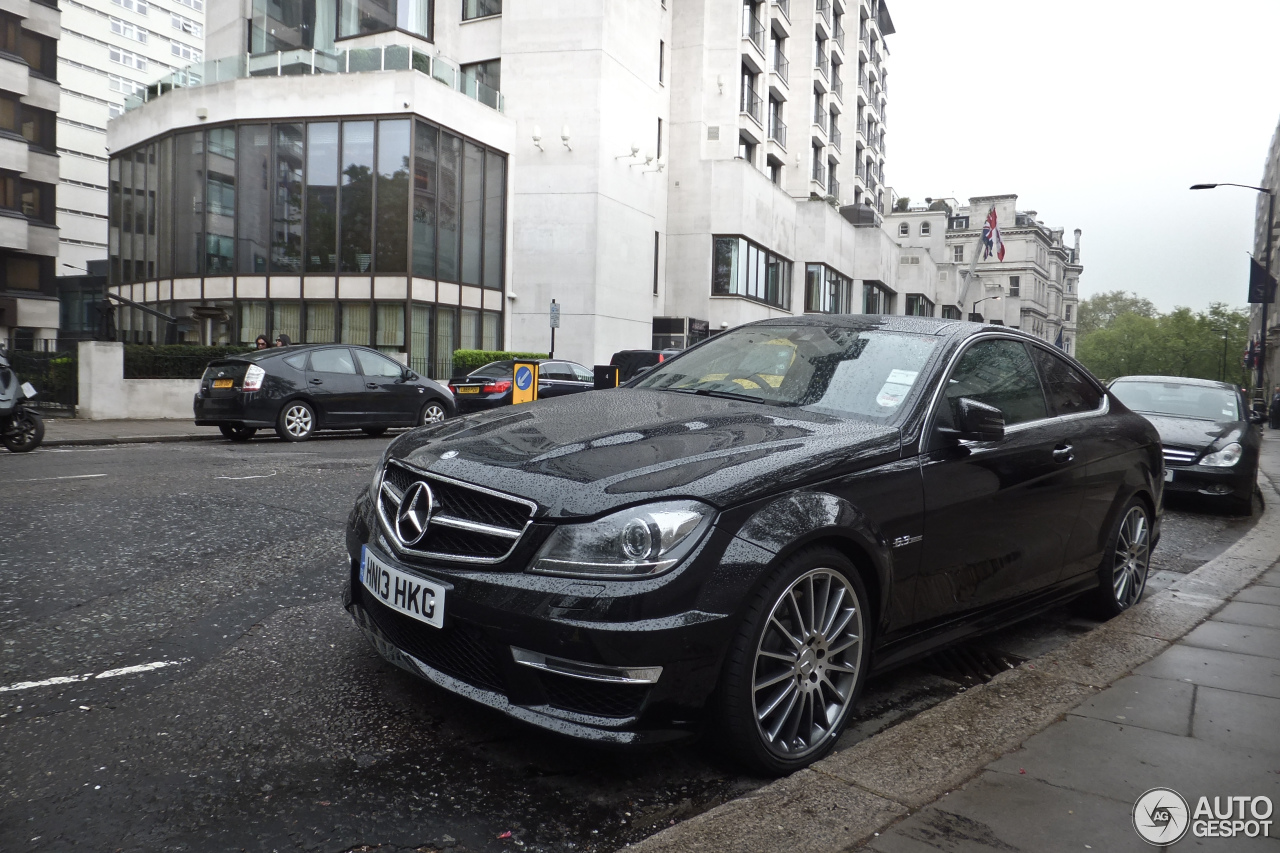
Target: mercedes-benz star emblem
x=414, y=514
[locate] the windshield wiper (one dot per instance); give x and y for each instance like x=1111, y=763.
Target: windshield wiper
x=727, y=395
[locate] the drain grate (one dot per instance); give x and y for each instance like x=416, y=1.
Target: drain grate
x=970, y=665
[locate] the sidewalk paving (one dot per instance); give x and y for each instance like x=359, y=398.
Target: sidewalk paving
x=70, y=432
x=1181, y=692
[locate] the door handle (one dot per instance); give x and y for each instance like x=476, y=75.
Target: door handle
x=1063, y=453
x=317, y=381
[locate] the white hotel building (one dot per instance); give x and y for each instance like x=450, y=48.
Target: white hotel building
x=425, y=176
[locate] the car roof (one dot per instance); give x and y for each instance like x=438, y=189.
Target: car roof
x=897, y=323
x=529, y=361
x=1177, y=380
x=292, y=349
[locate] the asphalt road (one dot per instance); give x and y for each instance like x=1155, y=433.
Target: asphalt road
x=176, y=673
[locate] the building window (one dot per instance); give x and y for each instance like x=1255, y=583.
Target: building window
x=483, y=81
x=662, y=59
x=138, y=6
x=185, y=51
x=10, y=34
x=198, y=5
x=1015, y=285
x=186, y=25
x=39, y=127
x=40, y=53
x=360, y=17
x=924, y=229
x=957, y=254
x=659, y=142
x=958, y=223
x=472, y=9
x=128, y=30
x=1067, y=314
x=656, y=235
x=826, y=291
x=775, y=171
x=875, y=299
x=904, y=230
x=747, y=150
x=124, y=57
x=919, y=305
x=950, y=312
x=740, y=267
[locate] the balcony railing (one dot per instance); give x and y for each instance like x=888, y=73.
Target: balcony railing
x=751, y=105
x=819, y=116
x=837, y=83
x=778, y=131
x=752, y=28
x=824, y=9
x=289, y=63
x=839, y=34
x=819, y=170
x=833, y=187
x=822, y=62
x=785, y=7
x=862, y=81
x=834, y=133
x=781, y=66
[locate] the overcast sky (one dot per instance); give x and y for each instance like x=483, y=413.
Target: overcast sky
x=1098, y=115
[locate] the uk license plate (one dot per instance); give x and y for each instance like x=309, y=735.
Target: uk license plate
x=1168, y=475
x=414, y=596
x=468, y=389
x=223, y=383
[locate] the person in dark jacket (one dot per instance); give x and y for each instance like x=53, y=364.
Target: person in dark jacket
x=282, y=340
x=1275, y=409
x=262, y=342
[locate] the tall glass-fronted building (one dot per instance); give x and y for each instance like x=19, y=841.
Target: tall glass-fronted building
x=322, y=187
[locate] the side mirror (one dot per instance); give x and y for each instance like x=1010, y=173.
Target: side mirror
x=977, y=422
x=408, y=375
x=1257, y=418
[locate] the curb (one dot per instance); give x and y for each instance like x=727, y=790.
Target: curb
x=846, y=799
x=132, y=439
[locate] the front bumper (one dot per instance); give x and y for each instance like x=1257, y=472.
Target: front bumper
x=493, y=619
x=1236, y=481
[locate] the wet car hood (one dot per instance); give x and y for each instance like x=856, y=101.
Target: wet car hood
x=590, y=453
x=1193, y=432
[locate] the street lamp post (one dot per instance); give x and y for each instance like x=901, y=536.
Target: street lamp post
x=974, y=316
x=1266, y=262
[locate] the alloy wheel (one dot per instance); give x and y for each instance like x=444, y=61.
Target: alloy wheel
x=1129, y=570
x=432, y=413
x=298, y=421
x=807, y=664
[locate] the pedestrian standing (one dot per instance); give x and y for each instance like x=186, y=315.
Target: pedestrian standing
x=282, y=340
x=1275, y=409
x=263, y=342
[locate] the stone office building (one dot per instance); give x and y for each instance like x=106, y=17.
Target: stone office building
x=424, y=176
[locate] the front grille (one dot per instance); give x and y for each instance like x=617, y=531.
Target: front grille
x=467, y=523
x=594, y=698
x=460, y=651
x=1179, y=456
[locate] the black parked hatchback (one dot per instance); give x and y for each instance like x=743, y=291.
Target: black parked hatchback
x=300, y=389
x=739, y=536
x=489, y=387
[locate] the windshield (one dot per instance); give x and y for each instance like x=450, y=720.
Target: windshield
x=1179, y=400
x=841, y=371
x=493, y=370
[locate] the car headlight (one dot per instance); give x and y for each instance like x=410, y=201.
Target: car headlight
x=637, y=542
x=1224, y=458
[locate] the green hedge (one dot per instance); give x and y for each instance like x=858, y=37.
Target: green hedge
x=467, y=360
x=178, y=361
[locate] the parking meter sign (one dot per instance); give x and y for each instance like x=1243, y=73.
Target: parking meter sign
x=524, y=385
x=555, y=316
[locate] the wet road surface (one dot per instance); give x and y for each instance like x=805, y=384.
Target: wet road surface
x=176, y=673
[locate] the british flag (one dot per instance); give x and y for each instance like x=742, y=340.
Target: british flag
x=991, y=241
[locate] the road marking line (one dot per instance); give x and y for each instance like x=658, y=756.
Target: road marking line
x=70, y=477
x=110, y=673
x=250, y=477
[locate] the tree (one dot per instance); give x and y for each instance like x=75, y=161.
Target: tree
x=1205, y=344
x=1100, y=311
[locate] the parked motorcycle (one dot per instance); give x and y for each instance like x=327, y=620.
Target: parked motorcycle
x=21, y=428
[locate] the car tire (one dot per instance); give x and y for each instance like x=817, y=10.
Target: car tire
x=297, y=421
x=1126, y=562
x=433, y=412
x=374, y=432
x=1240, y=504
x=790, y=668
x=237, y=432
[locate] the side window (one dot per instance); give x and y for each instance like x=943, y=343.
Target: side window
x=1067, y=390
x=336, y=360
x=582, y=374
x=998, y=373
x=556, y=370
x=372, y=364
x=297, y=362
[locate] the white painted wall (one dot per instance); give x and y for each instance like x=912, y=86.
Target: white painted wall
x=106, y=395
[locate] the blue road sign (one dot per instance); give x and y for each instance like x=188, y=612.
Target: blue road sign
x=524, y=378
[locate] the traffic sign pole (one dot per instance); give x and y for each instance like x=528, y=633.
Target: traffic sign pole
x=555, y=324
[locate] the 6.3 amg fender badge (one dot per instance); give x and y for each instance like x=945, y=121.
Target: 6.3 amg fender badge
x=414, y=515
